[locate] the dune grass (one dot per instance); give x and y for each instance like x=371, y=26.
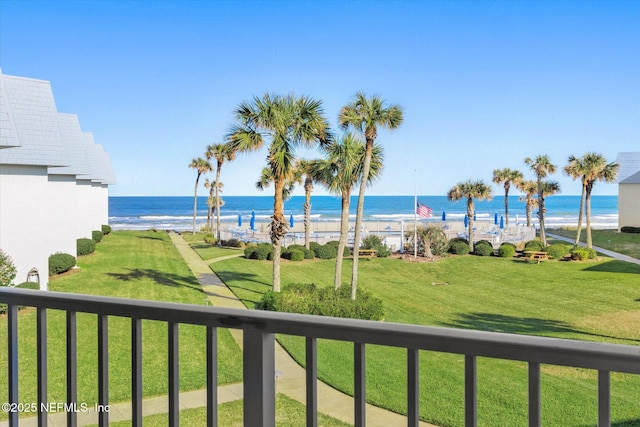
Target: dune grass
x=594, y=301
x=141, y=265
x=624, y=243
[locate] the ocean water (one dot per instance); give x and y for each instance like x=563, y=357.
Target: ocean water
x=176, y=213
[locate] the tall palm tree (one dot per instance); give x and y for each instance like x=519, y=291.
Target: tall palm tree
x=541, y=167
x=470, y=190
x=530, y=190
x=290, y=181
x=339, y=173
x=365, y=115
x=575, y=169
x=221, y=153
x=288, y=122
x=507, y=177
x=596, y=168
x=201, y=166
x=310, y=170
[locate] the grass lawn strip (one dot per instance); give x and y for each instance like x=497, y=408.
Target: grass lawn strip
x=554, y=299
x=142, y=265
x=624, y=243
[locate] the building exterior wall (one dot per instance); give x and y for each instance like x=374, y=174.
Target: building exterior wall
x=629, y=205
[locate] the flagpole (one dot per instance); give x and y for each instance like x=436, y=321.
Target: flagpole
x=415, y=214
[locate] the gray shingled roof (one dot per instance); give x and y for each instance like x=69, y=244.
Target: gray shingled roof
x=633, y=179
x=629, y=165
x=33, y=132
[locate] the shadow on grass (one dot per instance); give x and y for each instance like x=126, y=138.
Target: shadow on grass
x=159, y=237
x=615, y=266
x=520, y=325
x=158, y=277
x=629, y=423
x=232, y=277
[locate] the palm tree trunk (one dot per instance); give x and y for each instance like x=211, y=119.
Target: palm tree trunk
x=307, y=214
x=344, y=230
x=529, y=209
x=582, y=197
x=587, y=199
x=470, y=216
x=278, y=230
x=360, y=208
x=195, y=203
x=217, y=184
x=506, y=204
x=543, y=235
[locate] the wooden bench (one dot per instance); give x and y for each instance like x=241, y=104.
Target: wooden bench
x=367, y=253
x=535, y=256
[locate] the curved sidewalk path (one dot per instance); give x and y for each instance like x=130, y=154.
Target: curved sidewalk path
x=292, y=380
x=607, y=252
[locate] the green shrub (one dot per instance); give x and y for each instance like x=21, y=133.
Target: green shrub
x=309, y=299
x=210, y=239
x=333, y=243
x=85, y=246
x=7, y=269
x=292, y=254
x=628, y=229
x=507, y=250
x=459, y=246
x=580, y=254
x=373, y=241
x=558, y=250
x=326, y=252
x=233, y=243
x=96, y=236
x=483, y=248
x=308, y=253
x=106, y=229
x=314, y=245
x=261, y=252
x=59, y=262
x=534, y=245
x=437, y=240
x=459, y=239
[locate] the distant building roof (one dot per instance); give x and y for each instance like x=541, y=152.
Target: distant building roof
x=633, y=179
x=629, y=165
x=33, y=132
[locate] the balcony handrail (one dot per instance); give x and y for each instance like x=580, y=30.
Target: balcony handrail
x=545, y=350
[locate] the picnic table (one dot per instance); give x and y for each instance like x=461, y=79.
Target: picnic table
x=367, y=253
x=536, y=256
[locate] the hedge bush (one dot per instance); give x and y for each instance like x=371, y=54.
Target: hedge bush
x=314, y=245
x=309, y=299
x=96, y=236
x=60, y=262
x=507, y=250
x=308, y=253
x=628, y=229
x=8, y=269
x=558, y=250
x=326, y=252
x=260, y=252
x=292, y=254
x=85, y=246
x=483, y=248
x=106, y=229
x=333, y=243
x=233, y=243
x=583, y=254
x=459, y=246
x=373, y=241
x=210, y=239
x=534, y=245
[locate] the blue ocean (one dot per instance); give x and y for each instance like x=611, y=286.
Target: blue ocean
x=176, y=213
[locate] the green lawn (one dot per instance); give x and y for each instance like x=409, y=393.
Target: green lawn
x=624, y=243
x=142, y=265
x=594, y=301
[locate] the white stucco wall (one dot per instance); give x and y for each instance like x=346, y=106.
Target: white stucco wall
x=629, y=205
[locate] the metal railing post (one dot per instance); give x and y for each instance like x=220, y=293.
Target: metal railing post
x=259, y=378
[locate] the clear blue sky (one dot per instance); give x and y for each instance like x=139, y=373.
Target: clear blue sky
x=483, y=84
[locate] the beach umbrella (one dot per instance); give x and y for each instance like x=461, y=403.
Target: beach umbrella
x=466, y=221
x=252, y=222
x=239, y=220
x=501, y=222
x=495, y=218
x=474, y=216
x=291, y=220
x=444, y=216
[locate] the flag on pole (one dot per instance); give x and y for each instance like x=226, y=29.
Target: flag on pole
x=423, y=210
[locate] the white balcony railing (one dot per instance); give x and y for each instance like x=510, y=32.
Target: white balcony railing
x=258, y=356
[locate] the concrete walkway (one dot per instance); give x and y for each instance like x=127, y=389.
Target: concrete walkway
x=607, y=252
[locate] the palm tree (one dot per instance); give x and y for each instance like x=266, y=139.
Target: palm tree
x=290, y=181
x=541, y=166
x=339, y=173
x=575, y=169
x=596, y=168
x=470, y=190
x=530, y=190
x=201, y=166
x=549, y=188
x=507, y=177
x=365, y=115
x=288, y=121
x=311, y=172
x=222, y=153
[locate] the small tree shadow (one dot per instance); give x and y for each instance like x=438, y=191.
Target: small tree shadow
x=615, y=266
x=165, y=279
